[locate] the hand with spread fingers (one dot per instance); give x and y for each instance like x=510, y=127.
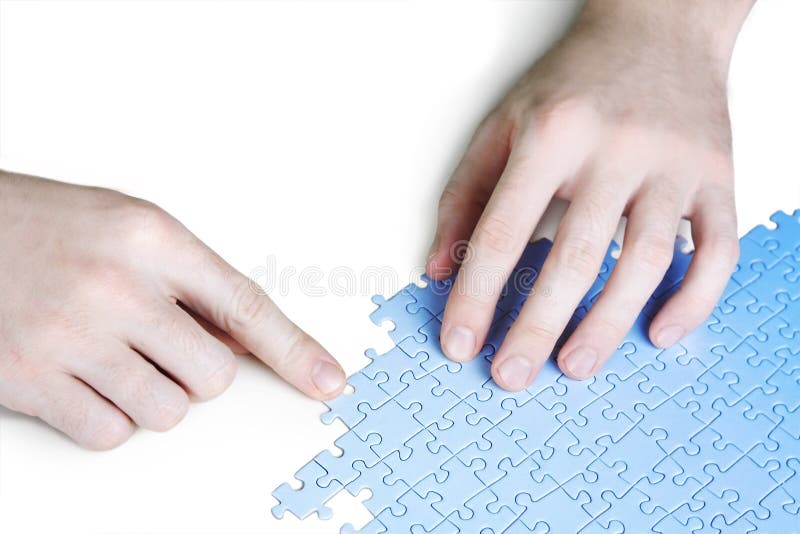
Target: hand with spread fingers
x=114, y=315
x=626, y=115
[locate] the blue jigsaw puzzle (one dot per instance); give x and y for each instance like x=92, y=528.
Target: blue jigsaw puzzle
x=702, y=437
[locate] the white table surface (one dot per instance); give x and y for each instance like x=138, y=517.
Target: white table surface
x=311, y=135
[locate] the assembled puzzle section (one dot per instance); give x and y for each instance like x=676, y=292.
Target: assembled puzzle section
x=701, y=437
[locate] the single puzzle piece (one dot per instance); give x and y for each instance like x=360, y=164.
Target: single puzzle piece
x=639, y=451
x=747, y=480
x=627, y=511
x=589, y=434
x=456, y=433
x=392, y=438
x=559, y=463
x=790, y=420
x=417, y=392
x=492, y=408
x=394, y=365
x=678, y=371
x=420, y=463
x=785, y=452
x=467, y=380
x=578, y=394
x=394, y=311
x=677, y=424
x=503, y=448
x=420, y=510
x=637, y=352
x=781, y=517
x=702, y=437
x=729, y=424
x=532, y=410
x=365, y=391
x=624, y=395
x=384, y=495
x=459, y=485
x=479, y=519
x=412, y=505
x=519, y=478
x=555, y=508
x=598, y=478
x=665, y=493
x=705, y=454
x=309, y=497
x=339, y=467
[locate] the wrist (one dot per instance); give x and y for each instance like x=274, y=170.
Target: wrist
x=706, y=28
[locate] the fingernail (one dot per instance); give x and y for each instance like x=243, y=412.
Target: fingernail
x=327, y=377
x=581, y=361
x=515, y=373
x=459, y=343
x=669, y=335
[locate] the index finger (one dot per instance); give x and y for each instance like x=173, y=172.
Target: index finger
x=239, y=306
x=540, y=160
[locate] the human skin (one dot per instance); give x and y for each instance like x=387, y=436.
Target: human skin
x=626, y=115
x=114, y=315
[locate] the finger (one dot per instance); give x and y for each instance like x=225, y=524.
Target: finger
x=215, y=331
x=646, y=254
x=239, y=307
x=69, y=405
x=716, y=253
x=466, y=194
x=521, y=196
x=134, y=385
x=568, y=272
x=182, y=348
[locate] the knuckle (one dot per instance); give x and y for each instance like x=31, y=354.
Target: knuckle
x=169, y=413
x=611, y=329
x=248, y=309
x=106, y=434
x=725, y=249
x=471, y=294
x=720, y=166
x=450, y=198
x=139, y=387
x=654, y=252
x=145, y=222
x=554, y=115
x=496, y=232
x=73, y=417
x=580, y=257
x=595, y=210
x=293, y=351
x=698, y=304
x=189, y=341
x=537, y=332
x=218, y=380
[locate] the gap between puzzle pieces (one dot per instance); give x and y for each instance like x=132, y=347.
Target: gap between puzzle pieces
x=701, y=437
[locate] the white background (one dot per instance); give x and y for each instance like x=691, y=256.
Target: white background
x=318, y=133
